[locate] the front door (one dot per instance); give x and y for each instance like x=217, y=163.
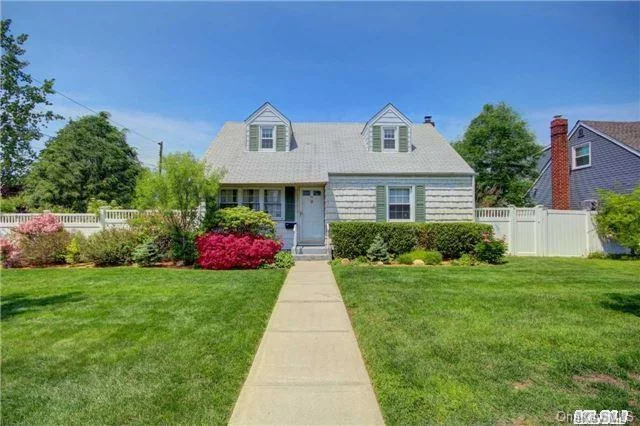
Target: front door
x=311, y=216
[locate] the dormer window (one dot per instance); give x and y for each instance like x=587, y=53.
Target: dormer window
x=389, y=142
x=266, y=138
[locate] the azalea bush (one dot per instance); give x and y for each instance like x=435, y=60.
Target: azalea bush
x=229, y=251
x=490, y=249
x=9, y=253
x=112, y=247
x=42, y=240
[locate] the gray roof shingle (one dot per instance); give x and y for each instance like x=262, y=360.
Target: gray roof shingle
x=627, y=132
x=320, y=149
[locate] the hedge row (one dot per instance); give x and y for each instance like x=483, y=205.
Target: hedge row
x=352, y=239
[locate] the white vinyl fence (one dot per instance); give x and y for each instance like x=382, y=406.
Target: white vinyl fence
x=86, y=223
x=542, y=232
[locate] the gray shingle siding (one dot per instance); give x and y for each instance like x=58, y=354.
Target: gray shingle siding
x=612, y=167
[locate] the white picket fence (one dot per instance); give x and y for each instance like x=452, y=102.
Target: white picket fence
x=543, y=232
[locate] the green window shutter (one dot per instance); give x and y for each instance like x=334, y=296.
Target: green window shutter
x=376, y=139
x=381, y=203
x=404, y=139
x=420, y=213
x=289, y=203
x=253, y=137
x=281, y=139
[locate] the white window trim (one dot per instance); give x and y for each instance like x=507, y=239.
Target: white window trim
x=573, y=156
x=396, y=133
x=260, y=190
x=273, y=137
x=412, y=203
x=282, y=206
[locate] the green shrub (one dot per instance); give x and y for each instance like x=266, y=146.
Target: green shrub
x=112, y=247
x=618, y=218
x=405, y=259
x=284, y=260
x=242, y=220
x=465, y=260
x=15, y=204
x=153, y=226
x=147, y=254
x=45, y=249
x=490, y=250
x=378, y=251
x=76, y=249
x=352, y=239
x=452, y=239
x=183, y=247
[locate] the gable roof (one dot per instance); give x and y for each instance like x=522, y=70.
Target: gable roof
x=263, y=107
x=321, y=149
x=626, y=132
x=380, y=113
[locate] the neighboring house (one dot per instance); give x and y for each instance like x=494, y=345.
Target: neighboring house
x=594, y=155
x=311, y=174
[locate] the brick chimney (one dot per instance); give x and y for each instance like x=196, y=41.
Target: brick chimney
x=560, y=166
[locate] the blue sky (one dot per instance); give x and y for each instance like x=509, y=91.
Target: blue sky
x=176, y=71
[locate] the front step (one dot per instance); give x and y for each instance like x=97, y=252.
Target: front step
x=311, y=253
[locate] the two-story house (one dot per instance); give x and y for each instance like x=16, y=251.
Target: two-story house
x=309, y=174
x=594, y=155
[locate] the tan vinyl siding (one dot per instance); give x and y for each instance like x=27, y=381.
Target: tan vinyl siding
x=355, y=197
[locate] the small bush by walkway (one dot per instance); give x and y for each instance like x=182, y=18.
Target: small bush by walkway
x=129, y=345
x=513, y=343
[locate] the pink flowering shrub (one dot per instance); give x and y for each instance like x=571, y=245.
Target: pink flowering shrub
x=9, y=253
x=44, y=224
x=229, y=251
x=42, y=240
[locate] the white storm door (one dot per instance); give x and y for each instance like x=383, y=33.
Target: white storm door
x=312, y=216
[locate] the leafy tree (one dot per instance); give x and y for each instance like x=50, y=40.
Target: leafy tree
x=88, y=158
x=21, y=111
x=182, y=186
x=501, y=149
x=618, y=218
x=177, y=193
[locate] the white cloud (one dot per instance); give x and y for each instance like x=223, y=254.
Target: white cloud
x=177, y=134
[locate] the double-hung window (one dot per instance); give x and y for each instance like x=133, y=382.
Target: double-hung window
x=389, y=143
x=251, y=198
x=582, y=156
x=273, y=202
x=266, y=138
x=399, y=204
x=228, y=198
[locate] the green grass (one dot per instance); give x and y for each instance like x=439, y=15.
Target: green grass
x=129, y=345
x=498, y=344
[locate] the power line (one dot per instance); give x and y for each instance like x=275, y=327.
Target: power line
x=69, y=98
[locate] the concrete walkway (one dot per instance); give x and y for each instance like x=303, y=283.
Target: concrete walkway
x=308, y=368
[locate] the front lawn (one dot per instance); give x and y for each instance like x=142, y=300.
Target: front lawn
x=129, y=345
x=514, y=343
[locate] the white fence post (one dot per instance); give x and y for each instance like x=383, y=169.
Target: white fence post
x=103, y=217
x=541, y=230
x=512, y=230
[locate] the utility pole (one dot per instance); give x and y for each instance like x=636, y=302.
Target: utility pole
x=161, y=143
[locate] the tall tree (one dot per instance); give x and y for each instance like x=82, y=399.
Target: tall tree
x=21, y=111
x=502, y=150
x=88, y=158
